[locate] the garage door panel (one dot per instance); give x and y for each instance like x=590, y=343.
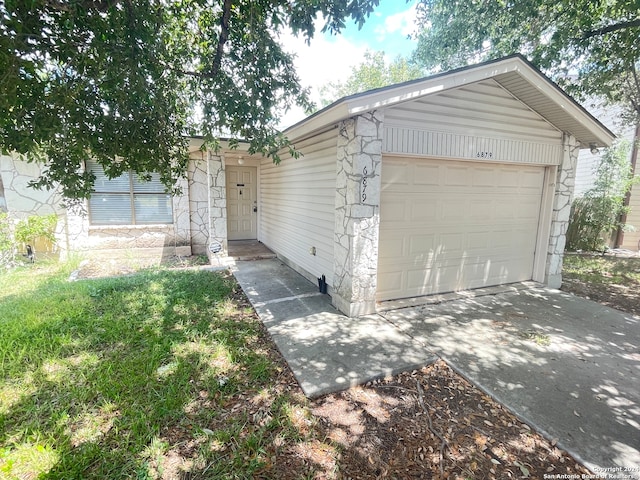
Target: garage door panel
x=395, y=210
x=397, y=248
x=508, y=179
x=419, y=244
x=397, y=173
x=484, y=177
x=476, y=227
x=456, y=176
x=426, y=175
x=423, y=211
x=452, y=211
x=531, y=180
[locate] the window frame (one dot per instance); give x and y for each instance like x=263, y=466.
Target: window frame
x=131, y=193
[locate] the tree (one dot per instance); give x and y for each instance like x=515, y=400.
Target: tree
x=372, y=72
x=597, y=41
x=123, y=81
x=596, y=215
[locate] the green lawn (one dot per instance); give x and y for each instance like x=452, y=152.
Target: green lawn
x=143, y=376
x=600, y=269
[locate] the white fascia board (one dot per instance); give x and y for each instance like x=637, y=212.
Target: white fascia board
x=604, y=136
x=318, y=122
x=431, y=85
x=196, y=143
x=389, y=96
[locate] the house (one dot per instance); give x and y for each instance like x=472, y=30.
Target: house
x=457, y=181
x=587, y=161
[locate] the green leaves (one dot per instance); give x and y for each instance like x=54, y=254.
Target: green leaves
x=129, y=80
x=371, y=73
x=599, y=42
x=597, y=214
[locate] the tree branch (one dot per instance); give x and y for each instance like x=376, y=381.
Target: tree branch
x=611, y=28
x=62, y=6
x=222, y=39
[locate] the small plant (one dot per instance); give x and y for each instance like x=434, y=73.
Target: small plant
x=596, y=215
x=6, y=242
x=36, y=226
x=15, y=236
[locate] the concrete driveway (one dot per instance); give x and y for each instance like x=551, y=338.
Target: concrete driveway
x=566, y=365
x=569, y=366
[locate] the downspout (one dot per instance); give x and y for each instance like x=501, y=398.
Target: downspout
x=627, y=199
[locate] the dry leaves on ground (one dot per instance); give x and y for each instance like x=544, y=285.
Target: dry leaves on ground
x=428, y=423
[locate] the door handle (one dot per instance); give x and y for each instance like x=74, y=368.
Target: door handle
x=255, y=209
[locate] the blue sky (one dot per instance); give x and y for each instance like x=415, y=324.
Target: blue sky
x=331, y=57
x=386, y=29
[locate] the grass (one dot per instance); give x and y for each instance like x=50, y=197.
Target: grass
x=143, y=376
x=598, y=269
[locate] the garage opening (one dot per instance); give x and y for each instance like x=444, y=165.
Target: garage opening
x=448, y=225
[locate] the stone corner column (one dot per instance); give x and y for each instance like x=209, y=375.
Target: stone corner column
x=562, y=199
x=181, y=219
x=217, y=204
x=357, y=217
x=76, y=228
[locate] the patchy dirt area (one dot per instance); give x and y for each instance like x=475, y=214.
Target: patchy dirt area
x=431, y=423
x=611, y=280
x=620, y=297
x=428, y=423
x=113, y=267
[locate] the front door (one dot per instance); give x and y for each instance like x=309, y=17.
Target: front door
x=242, y=203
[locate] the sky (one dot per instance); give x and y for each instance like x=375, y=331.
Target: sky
x=331, y=57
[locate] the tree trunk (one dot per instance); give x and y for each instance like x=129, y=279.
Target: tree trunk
x=3, y=201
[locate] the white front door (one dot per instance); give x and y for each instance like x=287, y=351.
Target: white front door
x=242, y=203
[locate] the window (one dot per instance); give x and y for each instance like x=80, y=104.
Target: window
x=125, y=200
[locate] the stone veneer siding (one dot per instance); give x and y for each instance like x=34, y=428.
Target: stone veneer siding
x=199, y=205
x=23, y=201
x=160, y=239
x=217, y=189
x=563, y=197
x=357, y=219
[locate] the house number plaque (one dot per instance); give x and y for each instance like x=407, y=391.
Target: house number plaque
x=363, y=197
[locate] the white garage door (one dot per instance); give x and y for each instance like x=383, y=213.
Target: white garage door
x=448, y=226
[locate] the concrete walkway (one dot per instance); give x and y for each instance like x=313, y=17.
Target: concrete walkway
x=565, y=365
x=326, y=351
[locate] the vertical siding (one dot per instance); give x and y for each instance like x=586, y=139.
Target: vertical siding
x=585, y=167
x=611, y=117
x=297, y=204
x=587, y=161
x=632, y=239
x=481, y=122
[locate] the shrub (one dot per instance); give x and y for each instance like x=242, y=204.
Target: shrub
x=596, y=215
x=6, y=241
x=36, y=226
x=26, y=231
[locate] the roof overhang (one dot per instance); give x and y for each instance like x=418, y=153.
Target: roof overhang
x=240, y=149
x=514, y=73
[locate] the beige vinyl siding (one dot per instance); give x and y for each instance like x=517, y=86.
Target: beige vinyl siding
x=587, y=161
x=585, y=167
x=481, y=121
x=631, y=239
x=297, y=204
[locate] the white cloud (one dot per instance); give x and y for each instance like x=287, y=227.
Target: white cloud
x=402, y=22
